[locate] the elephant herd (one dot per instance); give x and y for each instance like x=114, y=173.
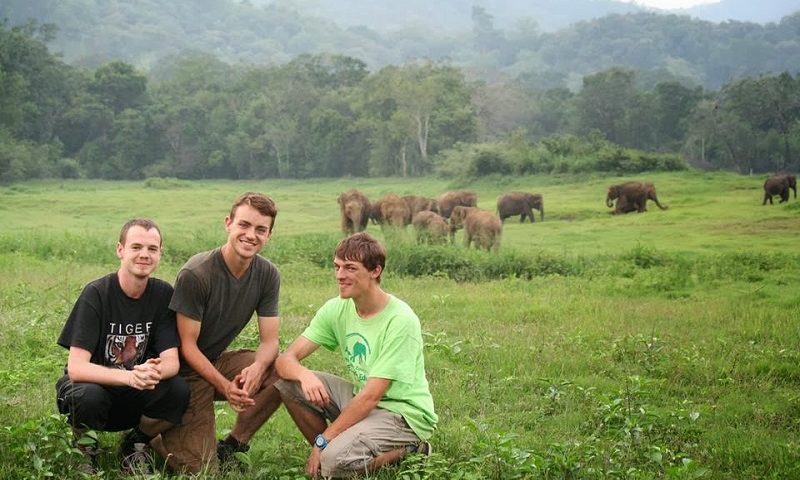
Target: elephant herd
x=436, y=220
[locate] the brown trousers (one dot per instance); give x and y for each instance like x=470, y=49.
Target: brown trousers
x=192, y=445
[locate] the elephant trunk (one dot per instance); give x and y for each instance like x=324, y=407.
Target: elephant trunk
x=609, y=202
x=795, y=191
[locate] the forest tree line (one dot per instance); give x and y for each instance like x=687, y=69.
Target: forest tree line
x=194, y=116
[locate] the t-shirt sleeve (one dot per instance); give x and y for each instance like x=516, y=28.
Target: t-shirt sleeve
x=397, y=358
x=189, y=295
x=83, y=324
x=270, y=290
x=166, y=333
x=320, y=330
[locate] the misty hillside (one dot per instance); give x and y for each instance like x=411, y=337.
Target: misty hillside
x=548, y=15
x=662, y=46
x=454, y=15
x=759, y=11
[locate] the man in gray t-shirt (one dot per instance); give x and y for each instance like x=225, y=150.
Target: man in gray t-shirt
x=216, y=294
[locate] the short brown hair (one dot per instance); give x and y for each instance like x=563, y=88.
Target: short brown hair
x=362, y=247
x=259, y=201
x=145, y=223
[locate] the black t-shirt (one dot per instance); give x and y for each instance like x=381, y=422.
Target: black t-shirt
x=121, y=331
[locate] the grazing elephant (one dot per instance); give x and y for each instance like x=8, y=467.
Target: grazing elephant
x=375, y=212
x=519, y=203
x=448, y=200
x=632, y=196
x=394, y=212
x=355, y=210
x=779, y=185
x=430, y=227
x=418, y=204
x=480, y=226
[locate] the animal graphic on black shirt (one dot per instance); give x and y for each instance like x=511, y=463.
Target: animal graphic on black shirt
x=124, y=351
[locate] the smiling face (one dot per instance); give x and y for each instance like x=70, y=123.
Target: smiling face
x=353, y=278
x=248, y=231
x=140, y=254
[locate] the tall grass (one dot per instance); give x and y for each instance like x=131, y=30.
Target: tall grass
x=662, y=344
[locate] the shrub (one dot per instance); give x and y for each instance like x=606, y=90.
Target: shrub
x=165, y=183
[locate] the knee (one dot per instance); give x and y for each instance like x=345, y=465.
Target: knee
x=345, y=459
x=179, y=390
x=87, y=404
x=288, y=390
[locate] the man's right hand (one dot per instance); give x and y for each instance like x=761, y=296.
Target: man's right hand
x=145, y=376
x=236, y=395
x=313, y=389
x=313, y=463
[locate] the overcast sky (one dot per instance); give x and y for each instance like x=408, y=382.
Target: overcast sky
x=667, y=4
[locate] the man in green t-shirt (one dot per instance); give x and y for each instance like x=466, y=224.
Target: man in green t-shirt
x=386, y=411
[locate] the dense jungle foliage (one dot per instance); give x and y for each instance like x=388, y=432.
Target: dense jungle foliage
x=194, y=116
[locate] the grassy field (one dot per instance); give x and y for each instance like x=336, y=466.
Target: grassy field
x=663, y=344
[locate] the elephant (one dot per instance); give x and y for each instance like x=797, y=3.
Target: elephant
x=632, y=196
x=355, y=210
x=779, y=185
x=430, y=227
x=448, y=200
x=375, y=212
x=480, y=226
x=394, y=211
x=418, y=204
x=519, y=203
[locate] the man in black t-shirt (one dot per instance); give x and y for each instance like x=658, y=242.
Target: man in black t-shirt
x=216, y=294
x=123, y=351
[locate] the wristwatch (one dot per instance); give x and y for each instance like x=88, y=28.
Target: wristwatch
x=320, y=441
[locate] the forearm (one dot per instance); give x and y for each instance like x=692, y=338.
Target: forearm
x=93, y=373
x=266, y=353
x=355, y=411
x=290, y=368
x=203, y=367
x=170, y=365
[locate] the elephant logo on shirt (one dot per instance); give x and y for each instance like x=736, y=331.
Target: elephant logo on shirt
x=357, y=349
x=359, y=353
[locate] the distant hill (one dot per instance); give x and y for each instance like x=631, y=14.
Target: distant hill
x=453, y=15
x=487, y=47
x=549, y=15
x=759, y=11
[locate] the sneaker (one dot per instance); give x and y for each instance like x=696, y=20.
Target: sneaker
x=133, y=456
x=422, y=448
x=226, y=450
x=89, y=463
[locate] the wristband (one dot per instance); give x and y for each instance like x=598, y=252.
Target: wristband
x=320, y=441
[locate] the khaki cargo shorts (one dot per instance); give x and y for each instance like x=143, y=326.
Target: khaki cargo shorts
x=351, y=451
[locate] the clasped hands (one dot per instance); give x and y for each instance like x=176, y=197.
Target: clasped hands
x=145, y=376
x=241, y=390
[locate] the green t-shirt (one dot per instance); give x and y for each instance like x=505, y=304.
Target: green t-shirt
x=388, y=345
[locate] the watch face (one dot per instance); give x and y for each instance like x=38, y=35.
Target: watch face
x=320, y=441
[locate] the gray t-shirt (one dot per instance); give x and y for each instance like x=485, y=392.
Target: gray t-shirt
x=206, y=291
